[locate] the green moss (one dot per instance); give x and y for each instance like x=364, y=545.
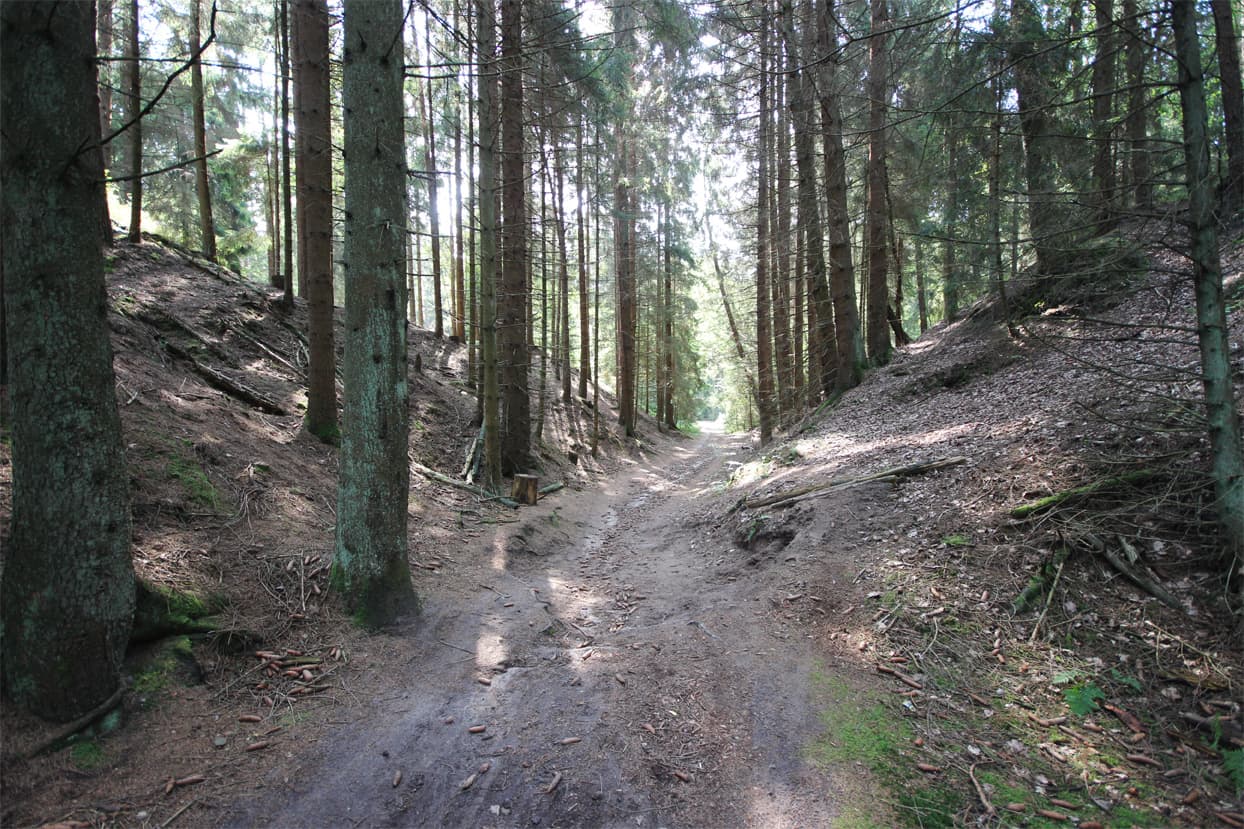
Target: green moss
x=87, y=755
x=868, y=733
x=957, y=540
x=160, y=611
x=194, y=481
x=330, y=434
x=163, y=665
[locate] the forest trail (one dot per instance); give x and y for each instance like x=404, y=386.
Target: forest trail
x=624, y=672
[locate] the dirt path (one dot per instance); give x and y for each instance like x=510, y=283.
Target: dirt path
x=620, y=654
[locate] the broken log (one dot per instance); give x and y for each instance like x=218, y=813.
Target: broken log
x=783, y=499
x=549, y=489
x=526, y=489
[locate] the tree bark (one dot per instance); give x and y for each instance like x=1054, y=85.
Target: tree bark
x=1222, y=416
x=203, y=188
x=134, y=105
x=67, y=595
x=822, y=347
x=104, y=25
x=369, y=564
x=877, y=331
x=1103, y=81
x=764, y=342
x=513, y=315
x=486, y=35
x=1135, y=125
x=1226, y=41
x=850, y=344
x=313, y=135
x=287, y=192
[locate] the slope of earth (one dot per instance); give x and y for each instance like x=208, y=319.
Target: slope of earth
x=1111, y=694
x=234, y=505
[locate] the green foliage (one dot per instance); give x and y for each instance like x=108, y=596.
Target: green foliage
x=1082, y=699
x=957, y=540
x=1124, y=679
x=1233, y=765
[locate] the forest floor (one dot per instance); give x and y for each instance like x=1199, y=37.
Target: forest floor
x=654, y=645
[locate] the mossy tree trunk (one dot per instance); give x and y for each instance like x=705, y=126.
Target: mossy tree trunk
x=370, y=566
x=486, y=33
x=68, y=585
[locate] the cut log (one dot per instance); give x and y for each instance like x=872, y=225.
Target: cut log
x=783, y=499
x=526, y=489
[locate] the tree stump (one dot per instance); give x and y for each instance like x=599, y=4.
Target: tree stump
x=525, y=489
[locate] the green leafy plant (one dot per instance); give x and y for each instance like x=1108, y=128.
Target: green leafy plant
x=956, y=540
x=1124, y=679
x=1233, y=765
x=1082, y=699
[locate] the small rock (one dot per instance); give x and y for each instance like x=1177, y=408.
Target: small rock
x=220, y=741
x=495, y=809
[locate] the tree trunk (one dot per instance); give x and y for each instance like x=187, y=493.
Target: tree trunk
x=203, y=189
x=922, y=302
x=134, y=105
x=1222, y=416
x=1226, y=41
x=850, y=344
x=513, y=315
x=878, y=332
x=369, y=565
x=563, y=273
x=486, y=35
x=764, y=343
x=1103, y=80
x=315, y=204
x=67, y=595
x=287, y=192
x=950, y=269
x=1033, y=75
x=780, y=283
x=434, y=209
x=104, y=24
x=1135, y=126
x=585, y=354
x=624, y=222
x=822, y=347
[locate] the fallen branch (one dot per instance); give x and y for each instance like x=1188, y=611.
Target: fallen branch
x=471, y=488
x=1105, y=484
x=1042, y=581
x=231, y=387
x=789, y=497
x=1135, y=577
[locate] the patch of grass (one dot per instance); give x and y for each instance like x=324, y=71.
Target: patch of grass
x=87, y=755
x=957, y=540
x=194, y=481
x=869, y=734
